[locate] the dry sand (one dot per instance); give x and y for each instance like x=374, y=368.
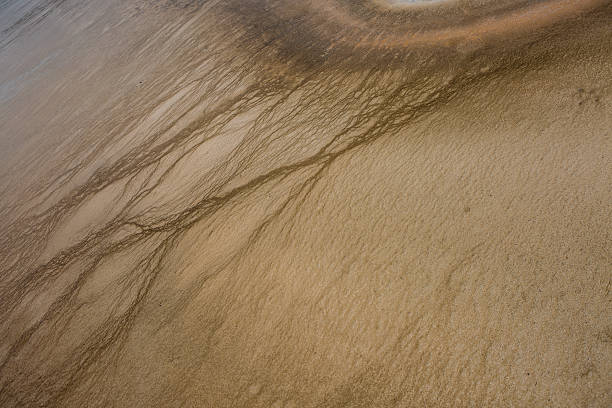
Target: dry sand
x=331, y=203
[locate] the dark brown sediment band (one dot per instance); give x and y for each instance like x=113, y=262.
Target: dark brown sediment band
x=456, y=21
x=364, y=33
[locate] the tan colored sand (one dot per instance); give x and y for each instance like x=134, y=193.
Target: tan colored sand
x=234, y=204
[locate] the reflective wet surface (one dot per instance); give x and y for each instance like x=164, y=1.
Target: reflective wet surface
x=305, y=204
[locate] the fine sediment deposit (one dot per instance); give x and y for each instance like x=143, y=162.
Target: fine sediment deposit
x=323, y=203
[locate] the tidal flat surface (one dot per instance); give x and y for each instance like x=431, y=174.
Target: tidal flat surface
x=329, y=203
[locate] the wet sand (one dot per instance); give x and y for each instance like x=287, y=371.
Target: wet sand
x=305, y=204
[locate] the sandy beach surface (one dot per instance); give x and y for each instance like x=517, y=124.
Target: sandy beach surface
x=329, y=203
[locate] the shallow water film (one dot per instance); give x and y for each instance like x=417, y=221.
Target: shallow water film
x=320, y=203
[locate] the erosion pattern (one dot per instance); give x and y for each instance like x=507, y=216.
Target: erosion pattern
x=328, y=203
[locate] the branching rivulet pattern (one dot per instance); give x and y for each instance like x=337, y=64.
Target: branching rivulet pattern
x=226, y=120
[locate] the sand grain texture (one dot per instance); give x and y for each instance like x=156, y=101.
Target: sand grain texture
x=305, y=204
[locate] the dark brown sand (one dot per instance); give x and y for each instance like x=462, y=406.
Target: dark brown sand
x=324, y=203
